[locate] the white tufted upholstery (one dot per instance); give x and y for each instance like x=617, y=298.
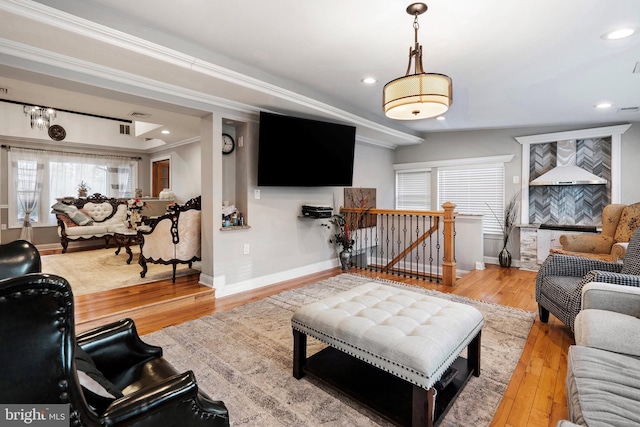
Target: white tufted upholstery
x=98, y=211
x=173, y=238
x=100, y=227
x=413, y=336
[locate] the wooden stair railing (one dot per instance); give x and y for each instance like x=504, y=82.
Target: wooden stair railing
x=374, y=219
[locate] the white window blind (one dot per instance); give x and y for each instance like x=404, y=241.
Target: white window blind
x=475, y=190
x=413, y=190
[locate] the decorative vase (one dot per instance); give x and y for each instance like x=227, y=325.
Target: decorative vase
x=505, y=258
x=345, y=259
x=82, y=192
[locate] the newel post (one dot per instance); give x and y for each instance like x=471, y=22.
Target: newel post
x=449, y=262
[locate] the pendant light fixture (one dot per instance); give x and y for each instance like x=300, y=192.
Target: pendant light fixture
x=419, y=95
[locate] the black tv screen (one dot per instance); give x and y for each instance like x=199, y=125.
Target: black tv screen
x=296, y=152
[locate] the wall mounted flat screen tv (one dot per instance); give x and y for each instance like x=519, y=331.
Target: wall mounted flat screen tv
x=296, y=152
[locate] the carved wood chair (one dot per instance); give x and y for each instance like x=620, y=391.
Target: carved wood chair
x=173, y=238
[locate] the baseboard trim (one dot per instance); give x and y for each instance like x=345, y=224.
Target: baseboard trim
x=224, y=289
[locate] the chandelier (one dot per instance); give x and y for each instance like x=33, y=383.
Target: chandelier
x=419, y=95
x=39, y=116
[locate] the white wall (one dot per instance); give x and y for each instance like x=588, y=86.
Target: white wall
x=282, y=244
x=186, y=181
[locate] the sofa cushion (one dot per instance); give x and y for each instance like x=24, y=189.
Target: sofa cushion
x=629, y=222
x=593, y=329
x=602, y=387
x=87, y=230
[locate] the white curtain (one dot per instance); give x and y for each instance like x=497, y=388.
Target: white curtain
x=119, y=172
x=40, y=177
x=28, y=180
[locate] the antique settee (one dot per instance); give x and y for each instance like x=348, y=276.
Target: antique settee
x=603, y=368
x=619, y=222
x=90, y=218
x=103, y=377
x=173, y=238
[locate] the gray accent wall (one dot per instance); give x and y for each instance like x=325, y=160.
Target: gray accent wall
x=570, y=204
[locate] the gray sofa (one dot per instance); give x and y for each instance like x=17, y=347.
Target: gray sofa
x=603, y=372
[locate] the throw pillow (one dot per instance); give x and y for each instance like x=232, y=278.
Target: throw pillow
x=67, y=221
x=72, y=212
x=629, y=222
x=98, y=391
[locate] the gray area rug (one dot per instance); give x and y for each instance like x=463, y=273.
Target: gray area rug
x=244, y=358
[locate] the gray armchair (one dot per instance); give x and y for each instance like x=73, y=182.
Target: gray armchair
x=602, y=368
x=561, y=277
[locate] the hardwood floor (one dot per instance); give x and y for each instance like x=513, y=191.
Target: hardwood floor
x=535, y=395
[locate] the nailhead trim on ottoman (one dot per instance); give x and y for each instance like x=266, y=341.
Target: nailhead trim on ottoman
x=413, y=336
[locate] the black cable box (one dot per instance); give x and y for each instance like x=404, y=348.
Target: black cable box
x=317, y=211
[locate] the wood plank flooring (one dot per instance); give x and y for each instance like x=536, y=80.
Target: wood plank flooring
x=535, y=396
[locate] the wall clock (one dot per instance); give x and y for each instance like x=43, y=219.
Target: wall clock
x=228, y=144
x=57, y=133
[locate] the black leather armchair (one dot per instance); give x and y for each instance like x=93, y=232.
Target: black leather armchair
x=19, y=257
x=108, y=375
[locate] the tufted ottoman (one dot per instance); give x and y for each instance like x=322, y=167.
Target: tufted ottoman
x=392, y=349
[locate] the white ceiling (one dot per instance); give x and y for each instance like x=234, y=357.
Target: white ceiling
x=513, y=63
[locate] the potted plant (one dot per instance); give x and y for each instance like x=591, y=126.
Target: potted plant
x=341, y=236
x=83, y=187
x=507, y=224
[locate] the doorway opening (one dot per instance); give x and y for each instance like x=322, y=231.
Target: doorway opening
x=160, y=176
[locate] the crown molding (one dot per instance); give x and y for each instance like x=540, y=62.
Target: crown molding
x=75, y=25
x=573, y=134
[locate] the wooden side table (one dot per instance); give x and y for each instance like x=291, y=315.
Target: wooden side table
x=126, y=237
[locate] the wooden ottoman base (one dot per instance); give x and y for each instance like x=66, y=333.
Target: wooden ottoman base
x=391, y=348
x=393, y=398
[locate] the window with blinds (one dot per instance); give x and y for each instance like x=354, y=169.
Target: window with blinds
x=413, y=190
x=475, y=190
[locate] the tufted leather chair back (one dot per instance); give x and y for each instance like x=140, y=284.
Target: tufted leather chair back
x=18, y=258
x=37, y=336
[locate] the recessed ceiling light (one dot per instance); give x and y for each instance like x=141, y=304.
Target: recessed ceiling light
x=604, y=105
x=368, y=80
x=618, y=34
x=440, y=118
x=166, y=132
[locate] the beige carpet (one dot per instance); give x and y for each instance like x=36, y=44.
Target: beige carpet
x=100, y=269
x=244, y=358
